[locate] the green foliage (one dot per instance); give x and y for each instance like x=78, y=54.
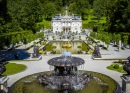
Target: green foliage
x=125, y=39
x=99, y=8
x=39, y=35
x=29, y=47
x=84, y=46
x=79, y=46
x=25, y=14
x=120, y=60
x=13, y=68
x=14, y=37
x=79, y=7
x=49, y=47
x=116, y=66
x=53, y=47
x=118, y=37
x=79, y=37
x=43, y=43
x=89, y=43
x=49, y=10
x=118, y=16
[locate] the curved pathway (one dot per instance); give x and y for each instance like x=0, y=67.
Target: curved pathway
x=41, y=65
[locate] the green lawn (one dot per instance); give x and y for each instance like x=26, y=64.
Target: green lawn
x=13, y=68
x=120, y=69
x=46, y=24
x=91, y=20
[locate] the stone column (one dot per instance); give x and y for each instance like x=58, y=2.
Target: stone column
x=125, y=83
x=119, y=45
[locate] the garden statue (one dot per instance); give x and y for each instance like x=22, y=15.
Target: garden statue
x=16, y=56
x=127, y=66
x=2, y=69
x=36, y=51
x=126, y=77
x=96, y=53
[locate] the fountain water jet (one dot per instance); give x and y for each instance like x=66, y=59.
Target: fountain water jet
x=66, y=75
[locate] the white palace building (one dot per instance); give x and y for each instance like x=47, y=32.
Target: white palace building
x=66, y=23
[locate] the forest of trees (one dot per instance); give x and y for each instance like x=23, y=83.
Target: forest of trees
x=20, y=16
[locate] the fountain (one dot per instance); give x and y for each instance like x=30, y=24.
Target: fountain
x=65, y=74
x=126, y=77
x=66, y=45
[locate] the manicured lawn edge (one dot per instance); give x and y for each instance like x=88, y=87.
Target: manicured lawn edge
x=120, y=69
x=13, y=68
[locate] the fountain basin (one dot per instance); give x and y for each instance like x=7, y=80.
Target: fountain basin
x=30, y=84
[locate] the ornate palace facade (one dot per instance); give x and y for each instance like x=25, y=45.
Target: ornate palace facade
x=66, y=23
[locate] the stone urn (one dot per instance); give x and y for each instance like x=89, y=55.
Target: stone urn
x=2, y=69
x=127, y=66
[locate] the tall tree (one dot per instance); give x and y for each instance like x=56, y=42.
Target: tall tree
x=49, y=10
x=4, y=16
x=117, y=15
x=99, y=8
x=125, y=39
x=58, y=5
x=79, y=7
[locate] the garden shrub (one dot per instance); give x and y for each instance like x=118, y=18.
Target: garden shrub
x=89, y=43
x=115, y=46
x=98, y=41
x=120, y=60
x=34, y=42
x=79, y=46
x=41, y=52
x=122, y=48
x=29, y=47
x=44, y=43
x=116, y=66
x=104, y=48
x=53, y=46
x=111, y=65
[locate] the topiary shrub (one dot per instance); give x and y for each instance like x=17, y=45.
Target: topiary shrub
x=116, y=66
x=78, y=46
x=120, y=60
